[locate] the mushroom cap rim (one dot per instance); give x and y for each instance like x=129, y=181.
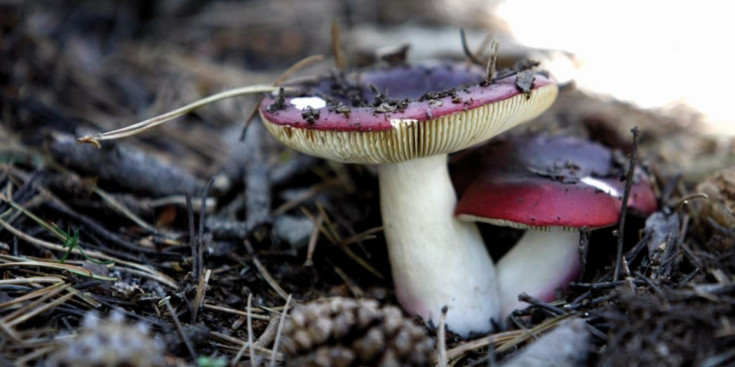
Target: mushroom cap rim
x=367, y=119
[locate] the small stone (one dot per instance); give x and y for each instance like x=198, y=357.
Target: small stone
x=293, y=230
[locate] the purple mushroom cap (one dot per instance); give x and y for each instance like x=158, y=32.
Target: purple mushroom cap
x=551, y=181
x=415, y=92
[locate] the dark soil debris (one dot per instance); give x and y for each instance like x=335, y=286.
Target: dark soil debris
x=675, y=328
x=280, y=102
x=310, y=114
x=195, y=237
x=524, y=82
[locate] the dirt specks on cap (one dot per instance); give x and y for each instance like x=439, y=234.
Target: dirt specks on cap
x=524, y=82
x=310, y=114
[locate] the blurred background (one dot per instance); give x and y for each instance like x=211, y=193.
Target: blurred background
x=665, y=55
x=70, y=67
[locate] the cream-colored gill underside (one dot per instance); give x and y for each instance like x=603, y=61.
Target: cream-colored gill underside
x=508, y=223
x=410, y=139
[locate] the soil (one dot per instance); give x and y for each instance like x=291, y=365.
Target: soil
x=201, y=237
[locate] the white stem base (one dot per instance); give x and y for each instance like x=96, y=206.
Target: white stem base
x=538, y=264
x=437, y=261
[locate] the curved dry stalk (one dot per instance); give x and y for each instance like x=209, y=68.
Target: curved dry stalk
x=441, y=339
x=155, y=121
x=306, y=61
x=339, y=59
x=466, y=48
x=70, y=268
x=278, y=332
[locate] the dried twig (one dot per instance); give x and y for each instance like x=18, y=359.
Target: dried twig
x=122, y=209
x=27, y=315
x=192, y=236
x=253, y=362
x=180, y=328
x=583, y=250
x=200, y=233
x=278, y=333
x=485, y=341
x=441, y=339
x=54, y=265
x=269, y=334
x=51, y=291
x=351, y=285
x=535, y=331
x=31, y=295
x=264, y=272
x=155, y=121
x=629, y=178
x=492, y=62
x=249, y=343
x=524, y=297
x=235, y=312
x=240, y=343
x=199, y=298
x=470, y=55
x=313, y=240
x=339, y=60
x=306, y=195
x=331, y=228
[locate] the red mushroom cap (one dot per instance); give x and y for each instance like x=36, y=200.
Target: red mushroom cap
x=550, y=181
x=399, y=113
x=414, y=92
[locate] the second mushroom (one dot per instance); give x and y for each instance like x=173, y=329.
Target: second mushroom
x=551, y=187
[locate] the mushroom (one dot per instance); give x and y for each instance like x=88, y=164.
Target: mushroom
x=433, y=109
x=551, y=187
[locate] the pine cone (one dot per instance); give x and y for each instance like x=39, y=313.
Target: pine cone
x=342, y=332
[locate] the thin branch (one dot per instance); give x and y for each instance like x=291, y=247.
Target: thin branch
x=201, y=290
x=253, y=362
x=234, y=311
x=264, y=272
x=339, y=60
x=313, y=240
x=180, y=328
x=155, y=121
x=470, y=55
x=200, y=233
x=492, y=62
x=441, y=339
x=121, y=208
x=278, y=333
x=192, y=235
x=629, y=178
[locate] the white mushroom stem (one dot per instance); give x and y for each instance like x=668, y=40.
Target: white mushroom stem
x=540, y=263
x=437, y=261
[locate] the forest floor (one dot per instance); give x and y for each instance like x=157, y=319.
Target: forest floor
x=202, y=236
